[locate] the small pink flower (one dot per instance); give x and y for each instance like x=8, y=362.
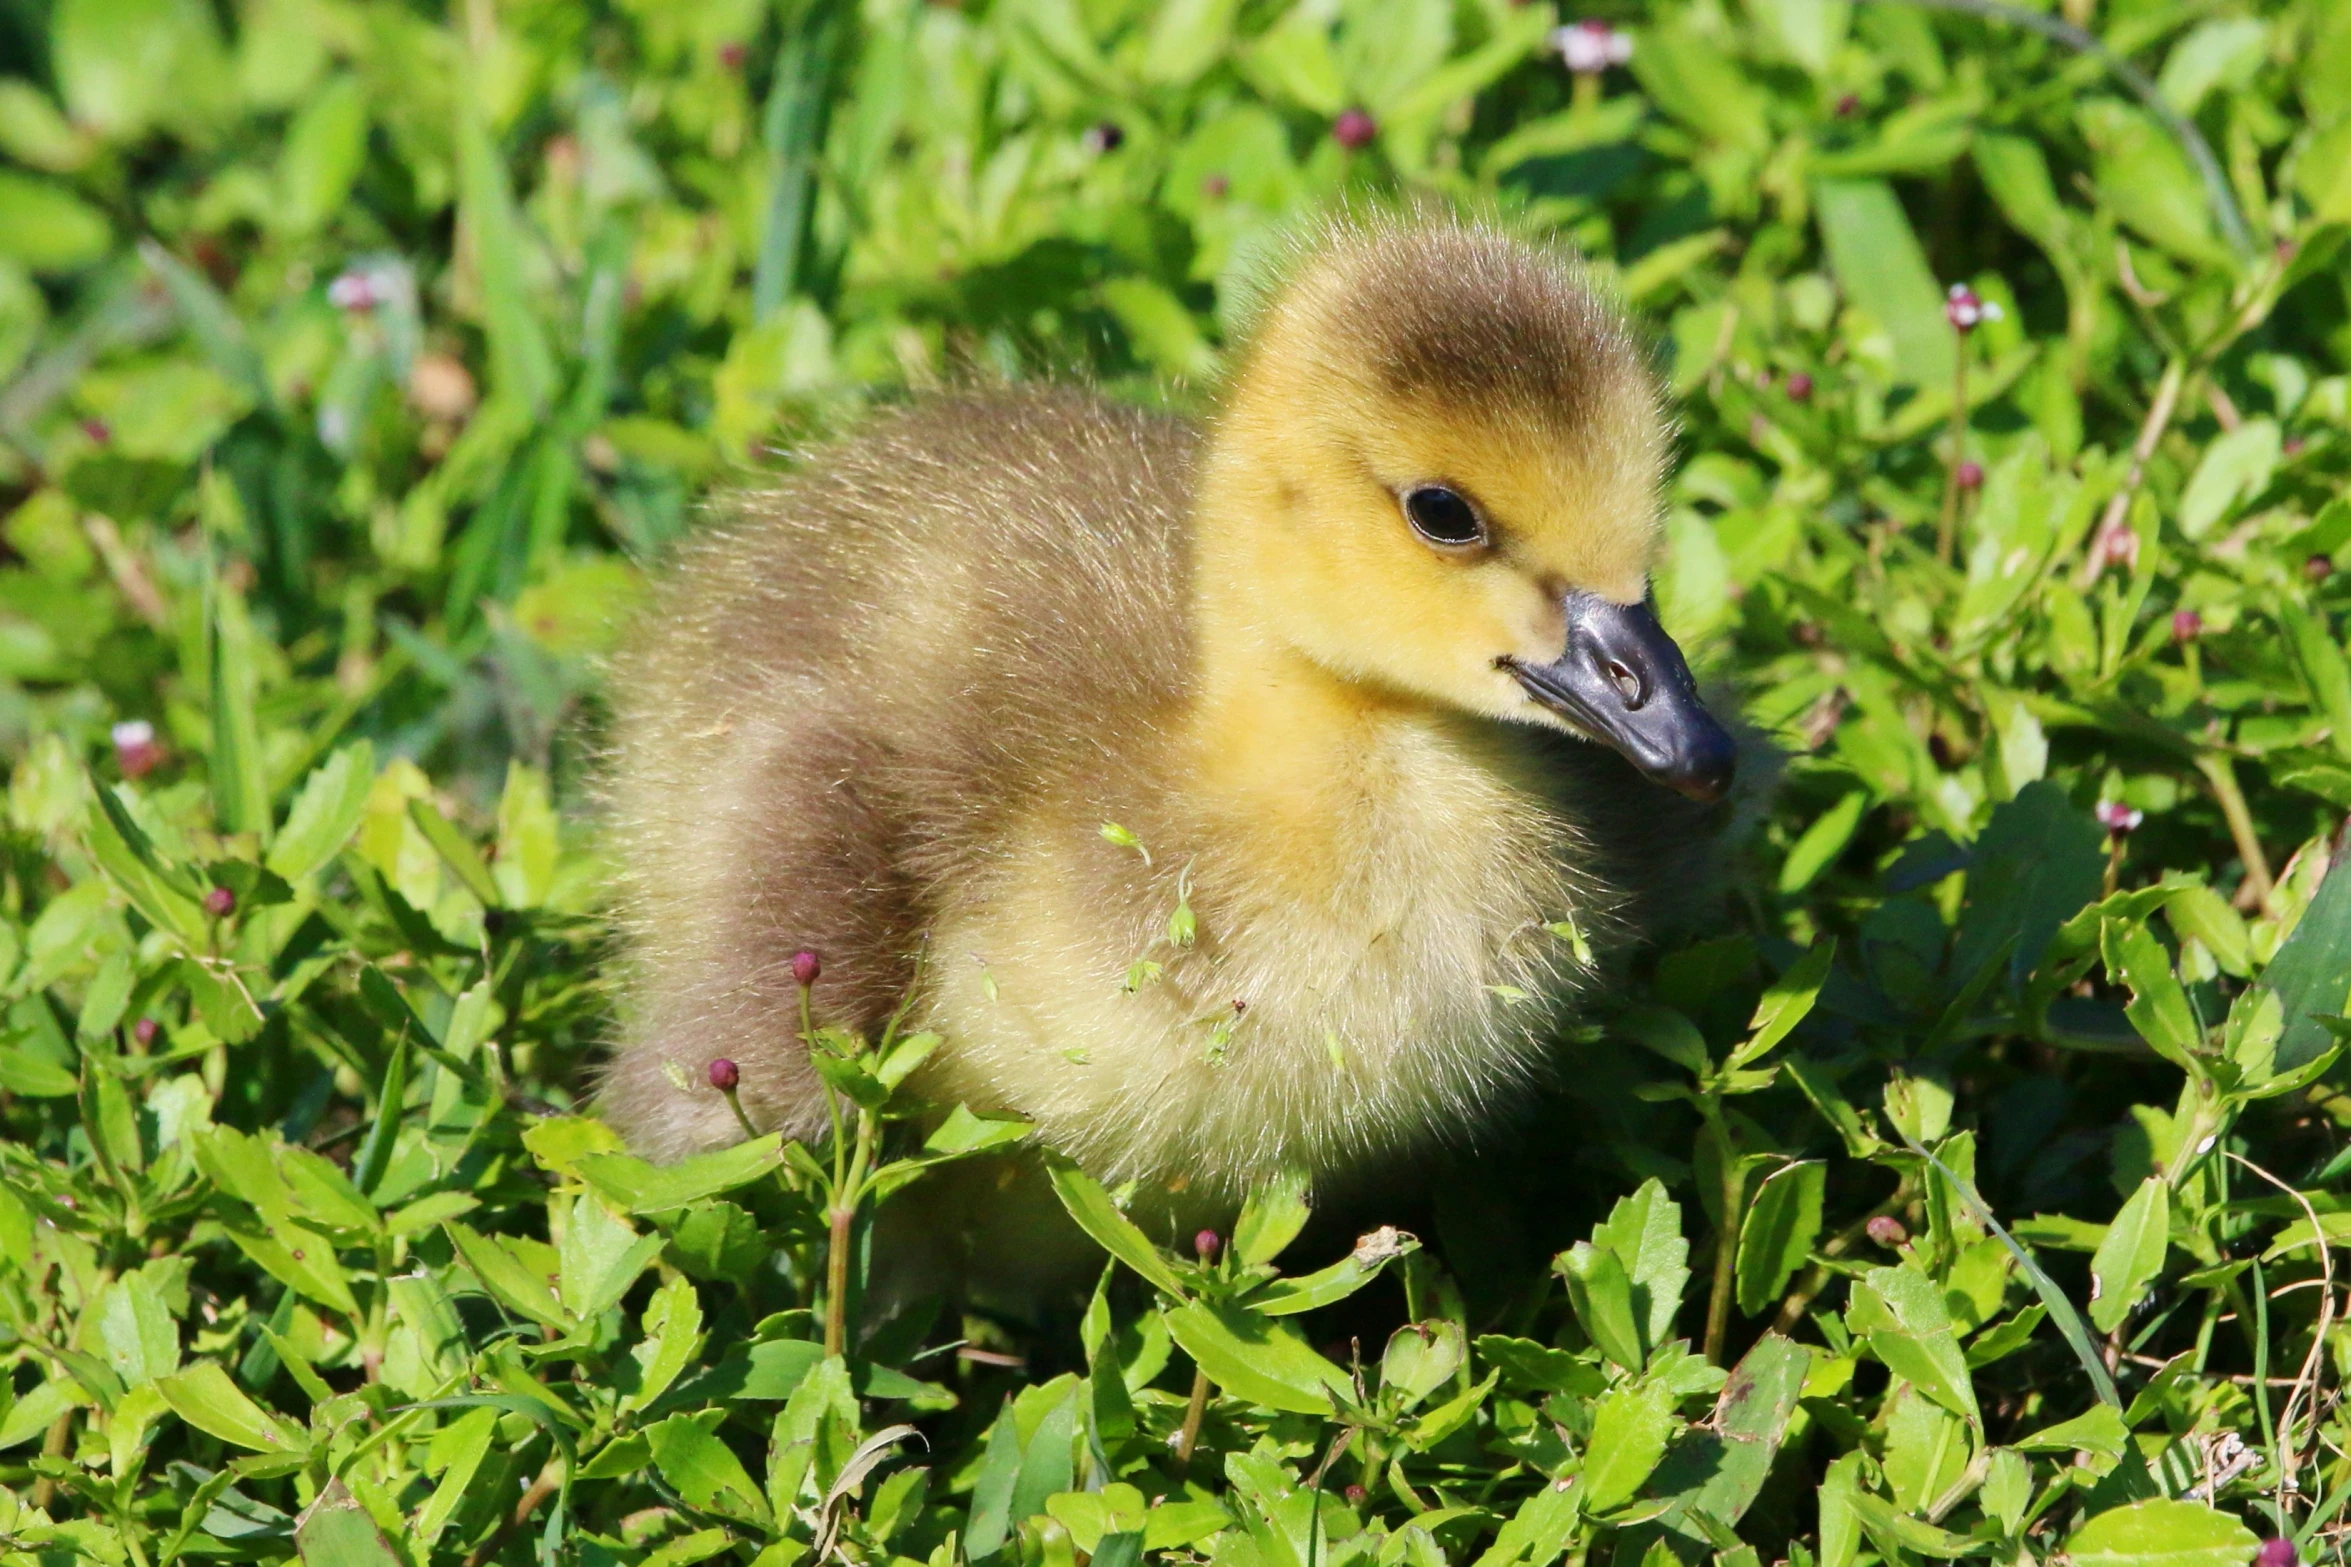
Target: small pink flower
x=805, y=968
x=1848, y=105
x=1799, y=388
x=1354, y=130
x=220, y=903
x=1887, y=1230
x=136, y=753
x=2119, y=546
x=1215, y=187
x=97, y=431
x=1355, y=1495
x=2318, y=568
x=144, y=1032
x=1591, y=46
x=1966, y=310
x=724, y=1075
x=2186, y=625
x=2118, y=819
x=2277, y=1553
x=732, y=54
x=1970, y=475
x=2294, y=445
x=1206, y=1244
x=354, y=291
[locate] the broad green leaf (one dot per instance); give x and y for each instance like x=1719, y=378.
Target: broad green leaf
x=204, y=1397
x=2131, y=1255
x=599, y=1257
x=456, y=852
x=325, y=815
x=1630, y=1427
x=1645, y=1232
x=1778, y=1232
x=1715, y=1472
x=2158, y=1007
x=1271, y=1217
x=965, y=1133
x=2099, y=1431
x=335, y=1531
x=673, y=1337
x=1099, y=1217
x=520, y=1274
x=1255, y=1359
x=302, y=1259
x=703, y=1469
x=1822, y=842
x=2162, y=1533
x=1288, y=1296
x=638, y=1187
x=1878, y=263
x=1786, y=1003
x=1421, y=1357
x=1602, y=1297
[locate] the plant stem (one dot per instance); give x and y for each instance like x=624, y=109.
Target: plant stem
x=1800, y=1299
x=2167, y=398
x=1726, y=1246
x=2223, y=779
x=836, y=1285
x=1194, y=1412
x=1947, y=525
x=549, y=1481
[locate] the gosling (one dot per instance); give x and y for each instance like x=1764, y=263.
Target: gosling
x=1236, y=797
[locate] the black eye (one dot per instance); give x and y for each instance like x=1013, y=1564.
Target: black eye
x=1443, y=516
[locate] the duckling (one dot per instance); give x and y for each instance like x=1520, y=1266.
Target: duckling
x=1256, y=794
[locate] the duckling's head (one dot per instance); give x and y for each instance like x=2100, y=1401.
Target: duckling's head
x=1438, y=474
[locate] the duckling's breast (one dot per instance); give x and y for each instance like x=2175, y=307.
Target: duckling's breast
x=1346, y=992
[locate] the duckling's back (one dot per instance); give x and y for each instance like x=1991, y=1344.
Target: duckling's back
x=842, y=687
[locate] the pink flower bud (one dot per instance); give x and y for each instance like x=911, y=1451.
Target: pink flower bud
x=144, y=1031
x=220, y=903
x=1966, y=310
x=2118, y=819
x=1215, y=187
x=1591, y=46
x=1354, y=130
x=136, y=753
x=1799, y=388
x=724, y=1075
x=1970, y=475
x=732, y=54
x=1206, y=1243
x=2277, y=1553
x=1355, y=1495
x=1848, y=105
x=2318, y=568
x=353, y=290
x=2186, y=625
x=2294, y=445
x=1887, y=1230
x=806, y=966
x=2119, y=546
x=97, y=431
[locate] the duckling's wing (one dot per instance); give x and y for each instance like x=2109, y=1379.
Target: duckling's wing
x=840, y=690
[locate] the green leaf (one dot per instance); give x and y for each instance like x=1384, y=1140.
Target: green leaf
x=965, y=1133
x=2162, y=1533
x=1271, y=1217
x=1255, y=1359
x=1779, y=1232
x=458, y=854
x=1602, y=1297
x=527, y=1287
x=1879, y=264
x=45, y=227
x=324, y=148
x=325, y=815
x=2311, y=972
x=204, y=1397
x=2131, y=1255
x=1787, y=1003
x=2158, y=1007
x=1630, y=1428
x=1822, y=842
x=1715, y=1472
x=635, y=1186
x=1307, y=1291
x=2099, y=1431
x=1645, y=1232
x=303, y=1260
x=335, y=1531
x=703, y=1469
x=1099, y=1217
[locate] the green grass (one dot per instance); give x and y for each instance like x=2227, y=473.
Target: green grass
x=1977, y=1192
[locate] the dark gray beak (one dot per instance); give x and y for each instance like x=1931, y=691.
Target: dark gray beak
x=1623, y=682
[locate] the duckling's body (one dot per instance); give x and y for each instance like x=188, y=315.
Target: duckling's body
x=889, y=708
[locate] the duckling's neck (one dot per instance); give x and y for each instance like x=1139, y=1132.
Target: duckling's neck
x=1276, y=738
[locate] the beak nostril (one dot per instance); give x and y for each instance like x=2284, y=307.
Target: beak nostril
x=1628, y=684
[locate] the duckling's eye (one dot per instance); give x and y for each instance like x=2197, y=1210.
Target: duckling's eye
x=1443, y=516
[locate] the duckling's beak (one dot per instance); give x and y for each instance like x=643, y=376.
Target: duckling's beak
x=1624, y=682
